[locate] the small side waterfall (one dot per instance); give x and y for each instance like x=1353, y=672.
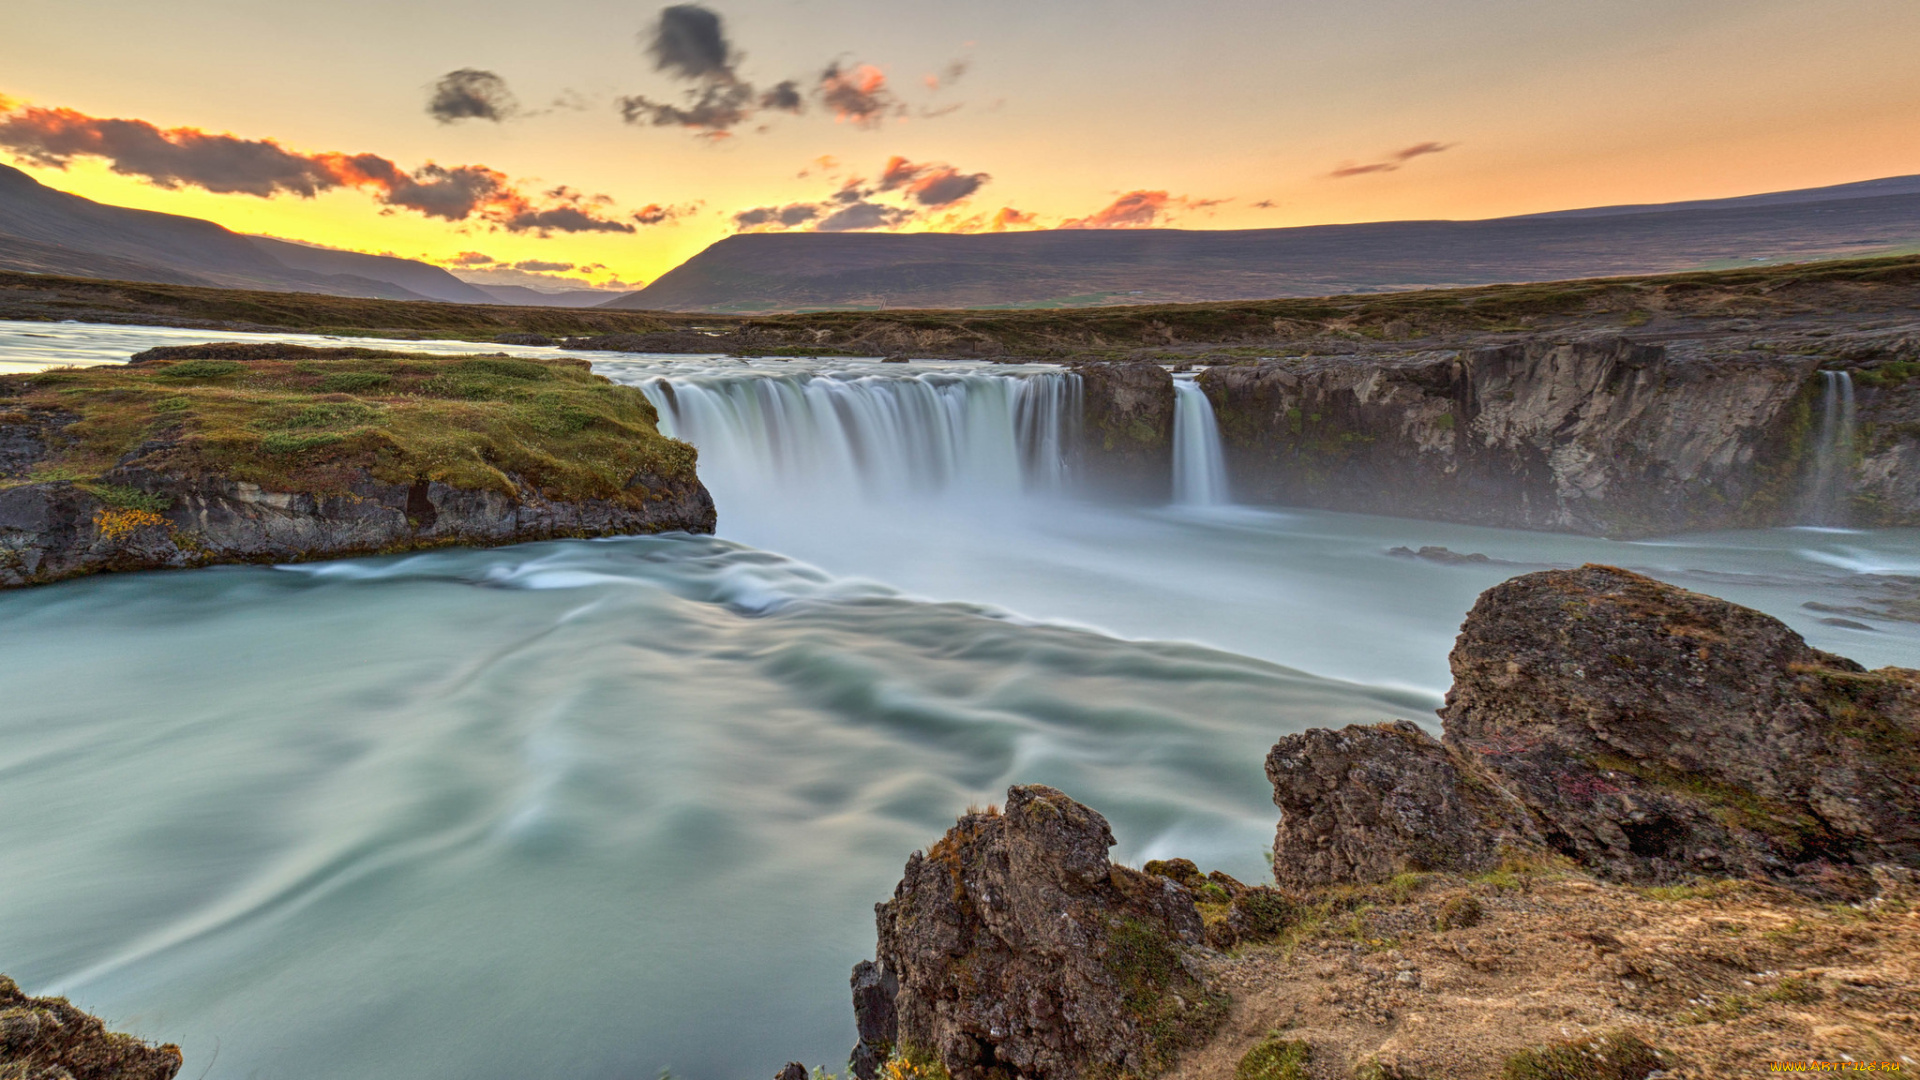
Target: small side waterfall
x=1825, y=501
x=1199, y=468
x=831, y=437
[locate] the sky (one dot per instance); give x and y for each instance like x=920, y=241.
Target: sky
x=603, y=142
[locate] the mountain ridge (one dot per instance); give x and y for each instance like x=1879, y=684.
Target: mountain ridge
x=766, y=272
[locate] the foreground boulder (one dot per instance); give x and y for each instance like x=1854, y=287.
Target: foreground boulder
x=1365, y=803
x=277, y=453
x=49, y=1039
x=1646, y=732
x=1013, y=948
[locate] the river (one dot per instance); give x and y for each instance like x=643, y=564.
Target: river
x=602, y=809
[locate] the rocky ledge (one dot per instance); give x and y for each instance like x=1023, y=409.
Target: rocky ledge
x=228, y=453
x=49, y=1039
x=1661, y=836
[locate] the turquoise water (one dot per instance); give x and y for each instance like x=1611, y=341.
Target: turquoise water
x=600, y=809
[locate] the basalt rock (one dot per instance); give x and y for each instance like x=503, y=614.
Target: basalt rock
x=1014, y=949
x=1600, y=435
x=1126, y=430
x=1658, y=733
x=1648, y=733
x=1363, y=804
x=49, y=1039
x=50, y=531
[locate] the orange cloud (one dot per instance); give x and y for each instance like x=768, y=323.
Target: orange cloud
x=1134, y=210
x=1005, y=219
x=857, y=95
x=228, y=164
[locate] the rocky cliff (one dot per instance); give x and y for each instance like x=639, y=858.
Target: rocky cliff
x=1600, y=436
x=218, y=454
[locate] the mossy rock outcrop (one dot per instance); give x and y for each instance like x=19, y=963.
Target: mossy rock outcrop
x=1013, y=948
x=49, y=1039
x=275, y=453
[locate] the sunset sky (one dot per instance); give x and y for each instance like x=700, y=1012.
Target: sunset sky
x=629, y=139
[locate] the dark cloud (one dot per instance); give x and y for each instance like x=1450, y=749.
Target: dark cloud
x=714, y=109
x=858, y=94
x=784, y=97
x=1393, y=161
x=655, y=214
x=538, y=266
x=947, y=76
x=783, y=216
x=177, y=157
x=471, y=94
x=471, y=258
x=925, y=186
x=863, y=215
x=690, y=43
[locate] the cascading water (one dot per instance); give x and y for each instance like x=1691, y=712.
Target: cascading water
x=841, y=436
x=1199, y=467
x=1825, y=504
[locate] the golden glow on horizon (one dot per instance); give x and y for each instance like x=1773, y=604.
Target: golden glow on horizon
x=1719, y=100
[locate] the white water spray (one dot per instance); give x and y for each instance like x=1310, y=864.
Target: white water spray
x=1825, y=502
x=1199, y=467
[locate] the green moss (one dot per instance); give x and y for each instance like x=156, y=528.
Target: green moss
x=129, y=498
x=915, y=1062
x=1614, y=1056
x=354, y=382
x=1445, y=421
x=1275, y=1059
x=486, y=423
x=203, y=369
x=1458, y=913
x=1172, y=1008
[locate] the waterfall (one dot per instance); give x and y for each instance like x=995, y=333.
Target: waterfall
x=831, y=436
x=1833, y=454
x=1199, y=469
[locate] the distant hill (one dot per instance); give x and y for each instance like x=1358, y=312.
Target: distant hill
x=525, y=297
x=1065, y=268
x=43, y=231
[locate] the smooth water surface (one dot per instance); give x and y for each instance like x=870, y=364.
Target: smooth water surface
x=599, y=809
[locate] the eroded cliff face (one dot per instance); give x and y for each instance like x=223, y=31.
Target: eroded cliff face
x=142, y=518
x=1647, y=733
x=1598, y=436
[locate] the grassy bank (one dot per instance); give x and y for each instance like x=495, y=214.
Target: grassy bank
x=313, y=420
